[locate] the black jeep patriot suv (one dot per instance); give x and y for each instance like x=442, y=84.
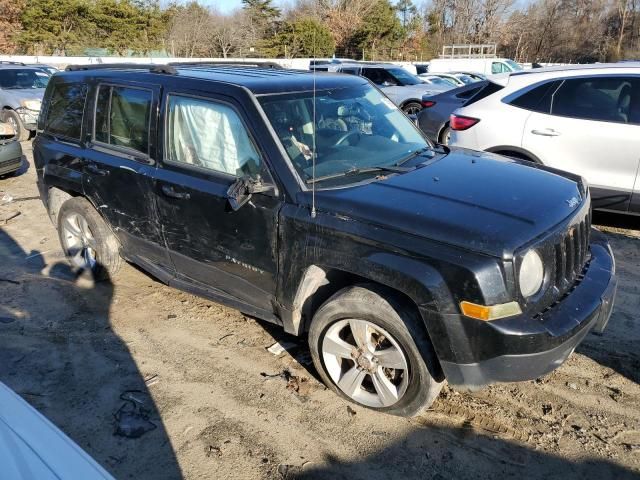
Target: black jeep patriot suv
x=312, y=202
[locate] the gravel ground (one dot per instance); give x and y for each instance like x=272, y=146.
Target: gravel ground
x=224, y=407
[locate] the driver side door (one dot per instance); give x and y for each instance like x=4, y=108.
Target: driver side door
x=231, y=254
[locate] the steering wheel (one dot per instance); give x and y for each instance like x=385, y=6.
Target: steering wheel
x=346, y=135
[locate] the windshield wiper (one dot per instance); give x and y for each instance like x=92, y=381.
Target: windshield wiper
x=359, y=171
x=413, y=155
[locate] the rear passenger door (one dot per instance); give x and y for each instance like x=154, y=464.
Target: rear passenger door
x=120, y=165
x=591, y=127
x=208, y=145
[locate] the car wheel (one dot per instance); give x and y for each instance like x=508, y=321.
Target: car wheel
x=13, y=119
x=412, y=108
x=371, y=350
x=87, y=241
x=445, y=136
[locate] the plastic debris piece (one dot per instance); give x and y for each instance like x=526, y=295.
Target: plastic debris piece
x=132, y=417
x=279, y=347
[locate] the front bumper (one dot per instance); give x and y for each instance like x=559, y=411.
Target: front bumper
x=523, y=347
x=10, y=157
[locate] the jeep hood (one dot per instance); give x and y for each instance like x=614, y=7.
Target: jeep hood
x=473, y=200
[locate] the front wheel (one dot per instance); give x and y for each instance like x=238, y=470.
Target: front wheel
x=363, y=344
x=13, y=119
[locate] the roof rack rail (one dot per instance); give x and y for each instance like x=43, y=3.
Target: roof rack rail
x=11, y=62
x=273, y=65
x=152, y=67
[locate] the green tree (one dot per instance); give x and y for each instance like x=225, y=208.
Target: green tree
x=406, y=11
x=304, y=37
x=55, y=26
x=381, y=29
x=261, y=17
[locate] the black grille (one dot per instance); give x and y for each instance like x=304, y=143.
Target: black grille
x=571, y=252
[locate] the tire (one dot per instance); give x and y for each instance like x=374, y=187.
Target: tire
x=355, y=373
x=11, y=117
x=87, y=241
x=411, y=108
x=444, y=135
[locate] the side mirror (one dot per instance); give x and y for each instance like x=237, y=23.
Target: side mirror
x=241, y=191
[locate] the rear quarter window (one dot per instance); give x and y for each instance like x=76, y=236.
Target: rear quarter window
x=65, y=110
x=537, y=99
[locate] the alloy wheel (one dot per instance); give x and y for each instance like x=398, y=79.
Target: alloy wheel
x=365, y=362
x=79, y=243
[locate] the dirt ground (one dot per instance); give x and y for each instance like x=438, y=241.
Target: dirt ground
x=225, y=407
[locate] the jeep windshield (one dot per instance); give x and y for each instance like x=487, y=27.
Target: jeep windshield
x=17, y=79
x=359, y=133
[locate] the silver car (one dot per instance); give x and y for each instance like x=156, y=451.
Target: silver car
x=21, y=92
x=32, y=448
x=403, y=88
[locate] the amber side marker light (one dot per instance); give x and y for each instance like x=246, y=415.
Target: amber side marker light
x=492, y=312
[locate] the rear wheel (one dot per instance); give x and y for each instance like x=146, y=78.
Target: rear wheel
x=412, y=108
x=363, y=344
x=13, y=119
x=445, y=135
x=86, y=239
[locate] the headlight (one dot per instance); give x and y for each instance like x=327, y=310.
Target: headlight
x=31, y=104
x=531, y=274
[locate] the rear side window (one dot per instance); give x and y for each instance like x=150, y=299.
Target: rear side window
x=65, y=110
x=608, y=99
x=122, y=117
x=538, y=99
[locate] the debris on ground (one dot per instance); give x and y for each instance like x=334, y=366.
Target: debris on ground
x=152, y=380
x=6, y=198
x=351, y=411
x=279, y=348
x=299, y=384
x=10, y=216
x=132, y=417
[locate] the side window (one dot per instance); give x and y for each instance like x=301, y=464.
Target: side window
x=468, y=93
x=609, y=99
x=65, y=110
x=122, y=117
x=209, y=135
x=350, y=71
x=379, y=76
x=496, y=67
x=538, y=99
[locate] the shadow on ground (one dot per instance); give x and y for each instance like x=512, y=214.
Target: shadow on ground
x=459, y=453
x=59, y=352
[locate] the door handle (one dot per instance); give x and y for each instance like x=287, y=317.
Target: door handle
x=93, y=168
x=547, y=132
x=170, y=192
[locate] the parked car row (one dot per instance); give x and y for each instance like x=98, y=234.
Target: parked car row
x=582, y=119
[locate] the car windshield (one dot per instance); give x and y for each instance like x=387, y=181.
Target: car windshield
x=404, y=77
x=13, y=79
x=438, y=81
x=514, y=66
x=465, y=79
x=357, y=128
